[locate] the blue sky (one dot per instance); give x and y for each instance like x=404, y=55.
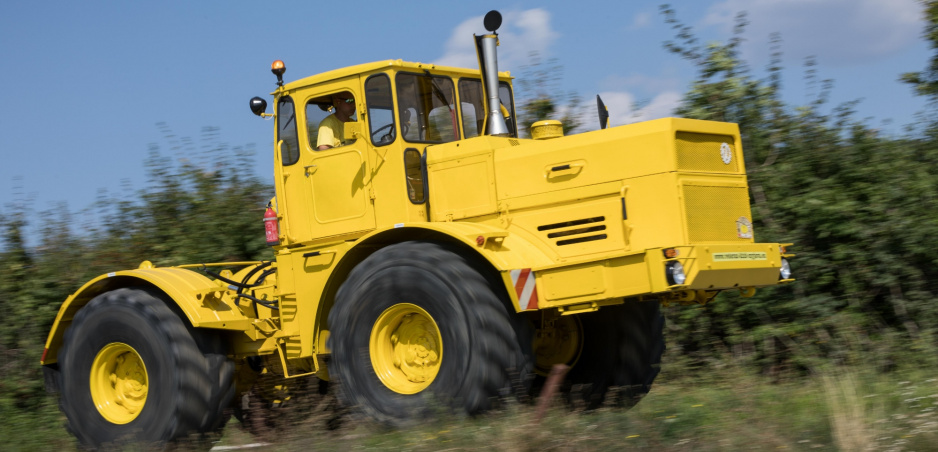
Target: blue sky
x=85, y=83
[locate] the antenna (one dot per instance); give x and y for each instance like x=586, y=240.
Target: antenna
x=603, y=113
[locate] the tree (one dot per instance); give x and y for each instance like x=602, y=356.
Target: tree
x=207, y=209
x=859, y=207
x=926, y=81
x=204, y=207
x=540, y=81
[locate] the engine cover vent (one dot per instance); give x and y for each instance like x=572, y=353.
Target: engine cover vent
x=575, y=231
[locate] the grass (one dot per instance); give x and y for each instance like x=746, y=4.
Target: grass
x=714, y=410
x=38, y=427
x=728, y=409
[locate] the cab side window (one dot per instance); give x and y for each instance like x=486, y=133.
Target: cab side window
x=473, y=110
x=504, y=96
x=380, y=110
x=318, y=109
x=427, y=108
x=286, y=132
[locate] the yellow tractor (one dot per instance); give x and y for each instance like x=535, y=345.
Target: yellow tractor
x=426, y=256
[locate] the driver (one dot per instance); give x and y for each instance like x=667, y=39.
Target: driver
x=332, y=129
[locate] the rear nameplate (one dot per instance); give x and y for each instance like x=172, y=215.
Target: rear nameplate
x=727, y=257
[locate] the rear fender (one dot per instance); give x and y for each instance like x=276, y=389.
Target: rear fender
x=196, y=295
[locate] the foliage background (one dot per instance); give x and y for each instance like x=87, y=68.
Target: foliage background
x=860, y=206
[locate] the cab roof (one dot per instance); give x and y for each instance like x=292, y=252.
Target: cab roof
x=379, y=66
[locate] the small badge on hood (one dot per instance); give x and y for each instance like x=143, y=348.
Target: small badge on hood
x=726, y=153
x=743, y=228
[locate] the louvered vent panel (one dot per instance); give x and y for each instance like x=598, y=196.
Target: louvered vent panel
x=575, y=231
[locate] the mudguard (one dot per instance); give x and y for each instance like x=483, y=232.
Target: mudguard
x=199, y=297
x=508, y=252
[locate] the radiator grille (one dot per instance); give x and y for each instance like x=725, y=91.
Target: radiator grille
x=702, y=152
x=713, y=212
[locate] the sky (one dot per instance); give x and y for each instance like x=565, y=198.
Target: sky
x=88, y=82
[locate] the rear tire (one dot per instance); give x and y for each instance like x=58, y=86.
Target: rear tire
x=621, y=355
x=133, y=373
x=416, y=328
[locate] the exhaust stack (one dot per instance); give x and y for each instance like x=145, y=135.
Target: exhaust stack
x=488, y=65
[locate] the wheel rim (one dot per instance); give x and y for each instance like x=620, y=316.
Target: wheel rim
x=118, y=383
x=406, y=348
x=561, y=342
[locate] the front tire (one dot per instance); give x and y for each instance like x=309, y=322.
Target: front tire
x=133, y=372
x=414, y=327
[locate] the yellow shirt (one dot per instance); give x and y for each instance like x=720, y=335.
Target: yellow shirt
x=331, y=132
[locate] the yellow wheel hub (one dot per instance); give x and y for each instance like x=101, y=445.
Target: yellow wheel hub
x=118, y=383
x=406, y=348
x=559, y=341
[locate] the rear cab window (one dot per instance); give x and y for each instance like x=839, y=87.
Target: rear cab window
x=427, y=108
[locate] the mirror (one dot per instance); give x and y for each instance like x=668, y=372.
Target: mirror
x=258, y=105
x=353, y=130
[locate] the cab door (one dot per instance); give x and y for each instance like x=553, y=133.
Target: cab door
x=338, y=180
x=292, y=196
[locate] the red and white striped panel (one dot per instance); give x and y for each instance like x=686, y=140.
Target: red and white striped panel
x=525, y=288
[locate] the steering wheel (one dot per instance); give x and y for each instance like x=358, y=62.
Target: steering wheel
x=387, y=137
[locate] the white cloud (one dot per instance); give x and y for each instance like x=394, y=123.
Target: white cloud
x=529, y=31
x=641, y=20
x=522, y=32
x=837, y=32
x=624, y=110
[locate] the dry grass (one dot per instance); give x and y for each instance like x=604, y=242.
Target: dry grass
x=852, y=424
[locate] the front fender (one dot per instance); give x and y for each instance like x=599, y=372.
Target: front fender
x=504, y=250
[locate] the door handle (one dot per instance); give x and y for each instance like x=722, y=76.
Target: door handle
x=565, y=169
x=307, y=171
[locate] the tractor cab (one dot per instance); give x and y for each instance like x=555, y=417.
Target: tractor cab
x=375, y=173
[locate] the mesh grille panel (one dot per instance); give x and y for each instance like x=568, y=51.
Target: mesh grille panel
x=701, y=152
x=712, y=213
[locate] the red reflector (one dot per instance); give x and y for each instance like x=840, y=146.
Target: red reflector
x=480, y=240
x=44, y=351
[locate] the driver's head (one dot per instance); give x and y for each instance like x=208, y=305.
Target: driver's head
x=344, y=105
